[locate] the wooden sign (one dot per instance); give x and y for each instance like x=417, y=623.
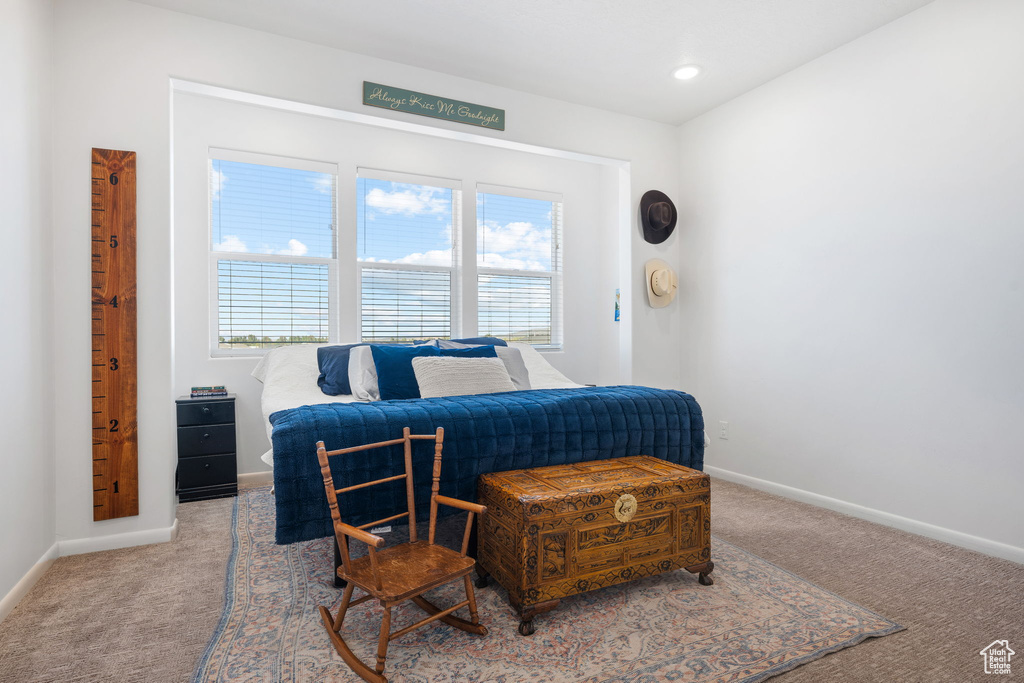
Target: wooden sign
x=115, y=440
x=412, y=102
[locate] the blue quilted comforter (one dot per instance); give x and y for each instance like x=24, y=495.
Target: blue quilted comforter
x=483, y=433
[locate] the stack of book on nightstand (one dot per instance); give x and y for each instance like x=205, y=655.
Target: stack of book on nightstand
x=209, y=392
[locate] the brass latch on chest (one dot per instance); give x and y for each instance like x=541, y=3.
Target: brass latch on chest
x=625, y=507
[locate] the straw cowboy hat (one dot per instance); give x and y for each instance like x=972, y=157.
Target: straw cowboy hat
x=661, y=283
x=657, y=216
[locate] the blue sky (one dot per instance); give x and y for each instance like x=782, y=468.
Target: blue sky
x=270, y=210
x=513, y=233
x=402, y=223
x=412, y=224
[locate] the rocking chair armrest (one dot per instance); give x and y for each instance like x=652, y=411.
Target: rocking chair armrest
x=360, y=535
x=461, y=504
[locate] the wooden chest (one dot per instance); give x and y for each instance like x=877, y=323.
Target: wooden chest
x=551, y=532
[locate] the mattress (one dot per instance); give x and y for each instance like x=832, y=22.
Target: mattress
x=483, y=433
x=289, y=375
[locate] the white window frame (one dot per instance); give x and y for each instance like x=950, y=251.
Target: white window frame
x=455, y=270
x=554, y=275
x=215, y=257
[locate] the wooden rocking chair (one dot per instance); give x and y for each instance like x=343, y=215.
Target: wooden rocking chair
x=401, y=572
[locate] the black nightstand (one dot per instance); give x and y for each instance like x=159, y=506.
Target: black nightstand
x=206, y=448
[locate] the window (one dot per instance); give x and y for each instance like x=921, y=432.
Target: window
x=272, y=251
x=407, y=228
x=276, y=275
x=519, y=263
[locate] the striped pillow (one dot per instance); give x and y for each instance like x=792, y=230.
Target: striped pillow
x=453, y=376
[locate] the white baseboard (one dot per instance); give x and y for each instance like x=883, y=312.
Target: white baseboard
x=981, y=545
x=78, y=546
x=21, y=589
x=256, y=478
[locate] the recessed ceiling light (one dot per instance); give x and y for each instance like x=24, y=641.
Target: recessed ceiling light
x=685, y=73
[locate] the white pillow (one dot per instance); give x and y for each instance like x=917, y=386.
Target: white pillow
x=451, y=376
x=542, y=374
x=516, y=366
x=362, y=374
x=511, y=357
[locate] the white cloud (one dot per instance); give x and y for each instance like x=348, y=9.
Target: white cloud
x=324, y=184
x=217, y=180
x=295, y=248
x=517, y=245
x=231, y=243
x=408, y=202
x=499, y=261
x=434, y=257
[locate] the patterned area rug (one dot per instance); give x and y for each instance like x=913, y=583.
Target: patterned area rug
x=756, y=621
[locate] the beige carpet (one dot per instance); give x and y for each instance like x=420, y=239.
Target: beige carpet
x=136, y=614
x=953, y=602
x=145, y=614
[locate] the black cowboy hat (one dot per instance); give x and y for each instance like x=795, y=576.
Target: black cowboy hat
x=657, y=216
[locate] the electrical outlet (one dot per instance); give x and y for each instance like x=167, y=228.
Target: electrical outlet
x=723, y=429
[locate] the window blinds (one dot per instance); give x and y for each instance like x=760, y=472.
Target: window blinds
x=265, y=304
x=515, y=308
x=519, y=263
x=407, y=229
x=273, y=247
x=403, y=305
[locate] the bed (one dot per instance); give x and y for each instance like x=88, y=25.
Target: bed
x=556, y=421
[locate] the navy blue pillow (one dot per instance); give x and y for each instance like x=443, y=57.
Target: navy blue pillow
x=490, y=341
x=471, y=352
x=395, y=376
x=333, y=362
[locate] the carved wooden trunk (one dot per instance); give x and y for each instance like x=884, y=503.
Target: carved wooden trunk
x=551, y=532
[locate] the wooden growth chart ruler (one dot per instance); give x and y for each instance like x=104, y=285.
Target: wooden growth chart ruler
x=115, y=440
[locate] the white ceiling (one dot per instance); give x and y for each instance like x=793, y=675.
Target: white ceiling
x=613, y=54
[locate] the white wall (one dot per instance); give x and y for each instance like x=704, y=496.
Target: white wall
x=26, y=345
x=113, y=61
x=854, y=247
x=590, y=259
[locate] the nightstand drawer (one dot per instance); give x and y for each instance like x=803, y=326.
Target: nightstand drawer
x=206, y=412
x=206, y=440
x=206, y=471
x=207, y=467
